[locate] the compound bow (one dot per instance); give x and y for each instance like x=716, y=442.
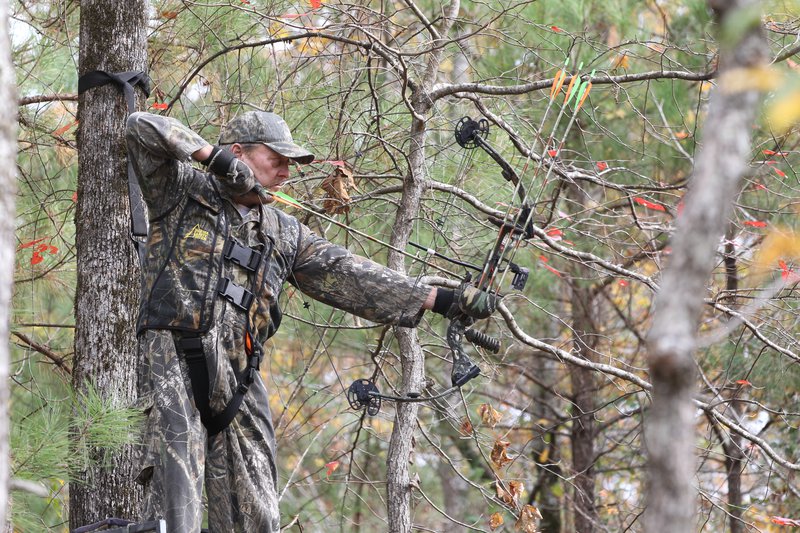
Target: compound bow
x=471, y=134
x=363, y=393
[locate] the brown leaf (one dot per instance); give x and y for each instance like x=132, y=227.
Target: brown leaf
x=509, y=492
x=466, y=427
x=500, y=453
x=516, y=488
x=495, y=521
x=489, y=416
x=337, y=187
x=503, y=494
x=65, y=154
x=527, y=519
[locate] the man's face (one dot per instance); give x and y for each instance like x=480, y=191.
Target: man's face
x=270, y=168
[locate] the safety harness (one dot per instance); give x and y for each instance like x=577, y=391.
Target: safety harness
x=190, y=345
x=193, y=351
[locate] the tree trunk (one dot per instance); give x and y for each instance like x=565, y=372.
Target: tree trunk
x=583, y=422
x=413, y=360
x=113, y=39
x=8, y=199
x=718, y=170
x=734, y=463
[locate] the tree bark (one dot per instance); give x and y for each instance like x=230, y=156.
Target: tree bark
x=734, y=464
x=719, y=166
x=583, y=422
x=413, y=360
x=8, y=199
x=113, y=39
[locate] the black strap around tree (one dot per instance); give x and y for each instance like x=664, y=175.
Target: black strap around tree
x=126, y=81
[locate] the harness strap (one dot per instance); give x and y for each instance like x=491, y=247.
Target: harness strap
x=191, y=347
x=126, y=81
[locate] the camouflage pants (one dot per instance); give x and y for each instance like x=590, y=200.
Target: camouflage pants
x=177, y=459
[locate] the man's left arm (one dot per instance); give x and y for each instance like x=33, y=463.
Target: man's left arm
x=333, y=275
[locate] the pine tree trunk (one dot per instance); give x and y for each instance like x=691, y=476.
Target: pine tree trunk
x=113, y=39
x=8, y=198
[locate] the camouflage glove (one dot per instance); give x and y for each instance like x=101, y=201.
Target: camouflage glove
x=236, y=174
x=466, y=300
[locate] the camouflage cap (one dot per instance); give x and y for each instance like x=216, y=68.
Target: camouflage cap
x=265, y=128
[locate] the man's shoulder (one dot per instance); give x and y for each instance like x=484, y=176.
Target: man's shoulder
x=284, y=227
x=276, y=216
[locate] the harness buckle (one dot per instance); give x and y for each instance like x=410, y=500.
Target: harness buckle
x=235, y=294
x=241, y=255
x=192, y=348
x=249, y=376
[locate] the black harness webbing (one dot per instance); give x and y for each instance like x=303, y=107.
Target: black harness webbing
x=192, y=349
x=126, y=81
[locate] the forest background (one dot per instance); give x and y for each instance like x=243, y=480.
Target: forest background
x=602, y=376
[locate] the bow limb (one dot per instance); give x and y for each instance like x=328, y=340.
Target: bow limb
x=463, y=367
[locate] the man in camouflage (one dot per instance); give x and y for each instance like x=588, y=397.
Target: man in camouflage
x=217, y=256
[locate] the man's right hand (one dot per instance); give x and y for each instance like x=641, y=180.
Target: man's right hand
x=227, y=166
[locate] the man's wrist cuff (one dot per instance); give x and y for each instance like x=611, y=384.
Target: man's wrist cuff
x=444, y=300
x=219, y=161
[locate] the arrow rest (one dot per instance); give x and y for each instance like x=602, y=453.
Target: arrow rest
x=468, y=130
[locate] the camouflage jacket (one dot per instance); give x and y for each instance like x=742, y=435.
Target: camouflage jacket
x=191, y=220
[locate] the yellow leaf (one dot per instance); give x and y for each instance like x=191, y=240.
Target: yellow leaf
x=495, y=521
x=784, y=111
x=544, y=456
x=620, y=61
x=278, y=30
x=780, y=244
x=750, y=79
x=312, y=46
